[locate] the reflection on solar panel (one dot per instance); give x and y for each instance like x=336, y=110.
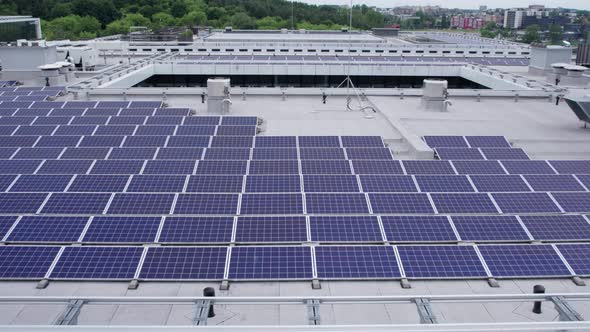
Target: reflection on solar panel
x=197, y=230
x=377, y=167
x=271, y=229
x=271, y=204
x=207, y=204
x=356, y=262
x=504, y=154
x=169, y=167
x=48, y=229
x=523, y=261
x=156, y=183
x=553, y=183
x=571, y=166
x=319, y=142
x=418, y=228
x=325, y=167
x=21, y=202
x=56, y=166
x=459, y=153
x=489, y=228
x=400, y=203
x=97, y=263
x=445, y=141
x=264, y=167
x=442, y=183
x=336, y=203
x=24, y=262
x=487, y=141
x=345, y=229
x=263, y=263
x=76, y=203
x=273, y=183
x=122, y=229
x=227, y=167
x=558, y=227
x=215, y=184
x=41, y=183
x=428, y=167
x=577, y=256
x=141, y=204
x=525, y=202
x=361, y=141
x=463, y=203
x=440, y=262
x=330, y=183
x=499, y=183
x=184, y=263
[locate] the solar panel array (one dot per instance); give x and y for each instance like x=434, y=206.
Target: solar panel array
x=232, y=205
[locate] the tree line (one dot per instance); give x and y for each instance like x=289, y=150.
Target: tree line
x=83, y=19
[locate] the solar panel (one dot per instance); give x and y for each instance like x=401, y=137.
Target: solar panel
x=274, y=153
x=6, y=181
x=523, y=260
x=362, y=141
x=102, y=112
x=88, y=120
x=132, y=153
x=400, y=203
x=19, y=166
x=345, y=229
x=215, y=184
x=239, y=121
x=101, y=141
x=17, y=120
x=273, y=183
x=97, y=263
x=67, y=112
x=319, y=141
x=173, y=111
x=227, y=167
x=74, y=203
x=156, y=183
x=264, y=263
x=459, y=153
x=57, y=166
x=122, y=229
x=321, y=153
x=48, y=229
x=231, y=142
x=356, y=262
x=117, y=104
x=7, y=130
x=117, y=167
x=179, y=153
x=33, y=112
x=571, y=166
x=85, y=153
x=41, y=183
x=169, y=167
x=267, y=167
x=197, y=230
x=489, y=228
x=137, y=112
x=271, y=229
x=369, y=153
x=445, y=141
x=499, y=183
x=24, y=262
x=75, y=130
x=444, y=183
x=330, y=183
x=207, y=204
x=184, y=263
x=450, y=261
x=236, y=131
x=377, y=167
x=573, y=202
x=34, y=130
x=557, y=227
x=487, y=141
x=554, y=183
x=114, y=130
x=527, y=167
x=141, y=204
x=127, y=120
x=577, y=256
x=145, y=141
x=188, y=141
x=21, y=202
x=271, y=204
x=186, y=130
x=418, y=229
x=428, y=167
x=227, y=154
x=334, y=167
x=37, y=153
x=276, y=142
x=18, y=141
x=525, y=202
x=336, y=203
x=52, y=120
x=387, y=183
x=150, y=104
x=504, y=154
x=463, y=203
x=202, y=120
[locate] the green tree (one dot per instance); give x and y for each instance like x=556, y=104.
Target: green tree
x=178, y=8
x=194, y=18
x=123, y=25
x=242, y=21
x=161, y=20
x=489, y=30
x=554, y=34
x=531, y=34
x=71, y=27
x=102, y=10
x=271, y=23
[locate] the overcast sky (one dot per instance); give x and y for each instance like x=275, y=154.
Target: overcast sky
x=578, y=4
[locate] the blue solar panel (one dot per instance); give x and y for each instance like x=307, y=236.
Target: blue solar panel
x=345, y=229
x=525, y=202
x=400, y=203
x=197, y=230
x=79, y=104
x=48, y=229
x=117, y=104
x=88, y=120
x=52, y=120
x=74, y=203
x=499, y=183
x=273, y=183
x=577, y=256
x=228, y=167
x=271, y=229
x=428, y=167
x=418, y=229
x=41, y=183
x=101, y=141
x=274, y=153
x=186, y=130
x=21, y=202
x=239, y=121
x=188, y=141
x=330, y=183
x=215, y=184
x=18, y=141
x=60, y=166
x=325, y=167
x=156, y=183
x=527, y=167
x=319, y=142
x=122, y=229
x=267, y=167
x=180, y=153
x=169, y=167
x=38, y=153
x=523, y=261
x=362, y=141
x=151, y=104
x=554, y=183
x=271, y=204
x=459, y=153
x=463, y=203
x=6, y=153
x=137, y=112
x=368, y=153
x=571, y=166
x=63, y=112
x=34, y=130
x=321, y=153
x=276, y=141
x=114, y=130
x=184, y=263
x=202, y=120
x=231, y=142
x=236, y=131
x=573, y=202
x=102, y=112
x=441, y=262
x=18, y=120
x=487, y=141
x=132, y=153
x=127, y=120
x=19, y=166
x=336, y=203
x=97, y=263
x=444, y=183
x=445, y=141
x=504, y=154
x=141, y=204
x=6, y=223
x=85, y=153
x=117, y=167
x=23, y=262
x=5, y=181
x=75, y=130
x=207, y=204
x=227, y=154
x=145, y=141
x=356, y=262
x=489, y=228
x=7, y=130
x=584, y=179
x=172, y=111
x=557, y=227
x=377, y=167
x=387, y=183
x=263, y=263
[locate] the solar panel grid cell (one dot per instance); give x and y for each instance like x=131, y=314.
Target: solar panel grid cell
x=333, y=167
x=336, y=203
x=85, y=153
x=489, y=228
x=97, y=263
x=48, y=229
x=571, y=166
x=227, y=154
x=41, y=183
x=37, y=153
x=361, y=141
x=114, y=131
x=132, y=153
x=487, y=141
x=577, y=256
x=321, y=153
x=21, y=202
x=145, y=141
x=445, y=141
x=184, y=263
x=236, y=130
x=232, y=142
x=101, y=141
x=377, y=167
x=169, y=167
x=122, y=230
x=26, y=262
x=141, y=204
x=99, y=183
x=330, y=183
x=207, y=204
x=35, y=130
x=356, y=262
x=400, y=203
x=221, y=167
x=523, y=261
x=75, y=130
x=156, y=183
x=463, y=203
x=525, y=202
x=264, y=263
x=271, y=229
x=260, y=204
x=345, y=229
x=76, y=203
x=276, y=142
x=273, y=183
x=188, y=130
x=418, y=229
x=441, y=262
x=197, y=230
x=428, y=167
x=117, y=167
x=274, y=154
x=215, y=184
x=504, y=154
x=318, y=141
x=499, y=183
x=369, y=153
x=444, y=183
x=553, y=183
x=56, y=166
x=459, y=153
x=557, y=227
